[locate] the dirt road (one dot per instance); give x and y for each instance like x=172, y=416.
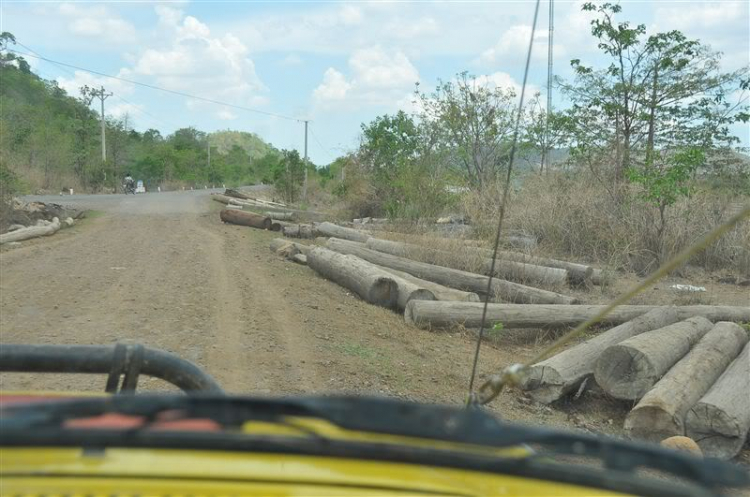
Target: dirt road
x=162, y=269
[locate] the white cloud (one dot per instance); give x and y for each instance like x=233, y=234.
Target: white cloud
x=122, y=109
x=194, y=61
x=291, y=60
x=377, y=77
x=226, y=115
x=97, y=22
x=73, y=84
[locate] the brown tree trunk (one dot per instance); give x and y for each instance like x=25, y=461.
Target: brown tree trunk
x=631, y=368
x=251, y=219
x=333, y=230
x=661, y=412
x=368, y=281
x=454, y=278
x=549, y=380
x=720, y=421
x=448, y=314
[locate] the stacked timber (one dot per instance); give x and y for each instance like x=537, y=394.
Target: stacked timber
x=333, y=230
x=307, y=231
x=661, y=412
x=720, y=421
x=437, y=315
x=631, y=368
x=509, y=270
x=453, y=278
x=551, y=379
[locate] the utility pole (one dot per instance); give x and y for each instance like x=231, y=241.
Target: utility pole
x=102, y=96
x=208, y=143
x=545, y=158
x=304, y=184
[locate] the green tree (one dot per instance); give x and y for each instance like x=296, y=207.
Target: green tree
x=473, y=121
x=289, y=175
x=657, y=92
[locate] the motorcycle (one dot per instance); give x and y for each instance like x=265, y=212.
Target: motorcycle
x=129, y=187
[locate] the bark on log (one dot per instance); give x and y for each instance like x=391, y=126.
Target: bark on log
x=368, y=281
x=631, y=368
x=243, y=196
x=408, y=291
x=236, y=194
x=300, y=259
x=440, y=292
x=280, y=216
x=720, y=421
x=454, y=278
x=223, y=199
x=446, y=314
x=555, y=377
x=299, y=231
x=251, y=219
x=31, y=232
x=513, y=270
x=661, y=412
x=332, y=230
x=578, y=273
x=278, y=243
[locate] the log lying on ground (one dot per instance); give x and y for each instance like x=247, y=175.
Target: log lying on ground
x=223, y=199
x=553, y=378
x=440, y=292
x=278, y=244
x=661, y=412
x=408, y=291
x=299, y=231
x=578, y=273
x=333, y=230
x=453, y=278
x=446, y=314
x=720, y=421
x=31, y=232
x=632, y=367
x=251, y=219
x=368, y=281
x=243, y=196
x=300, y=259
x=281, y=216
x=509, y=270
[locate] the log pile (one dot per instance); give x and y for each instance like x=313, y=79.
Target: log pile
x=234, y=216
x=689, y=375
x=42, y=229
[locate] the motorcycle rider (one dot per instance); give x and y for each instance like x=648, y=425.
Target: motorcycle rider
x=129, y=182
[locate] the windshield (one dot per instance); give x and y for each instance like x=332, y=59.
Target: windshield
x=341, y=198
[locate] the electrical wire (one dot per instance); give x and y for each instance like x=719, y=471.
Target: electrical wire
x=503, y=203
x=158, y=88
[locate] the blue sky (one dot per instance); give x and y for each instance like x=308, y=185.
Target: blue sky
x=336, y=63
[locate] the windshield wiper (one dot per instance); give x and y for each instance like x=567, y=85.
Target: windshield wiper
x=391, y=417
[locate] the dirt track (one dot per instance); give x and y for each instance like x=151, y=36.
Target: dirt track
x=162, y=269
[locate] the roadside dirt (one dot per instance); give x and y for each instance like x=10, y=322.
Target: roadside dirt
x=164, y=271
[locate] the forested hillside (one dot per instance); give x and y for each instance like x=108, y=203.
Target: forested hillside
x=50, y=140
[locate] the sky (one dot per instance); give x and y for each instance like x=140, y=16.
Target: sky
x=337, y=64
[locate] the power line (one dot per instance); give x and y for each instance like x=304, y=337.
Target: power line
x=330, y=152
x=134, y=106
x=154, y=87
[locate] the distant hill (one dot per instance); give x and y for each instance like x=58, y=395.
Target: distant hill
x=252, y=144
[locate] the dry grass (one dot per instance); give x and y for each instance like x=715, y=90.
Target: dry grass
x=578, y=220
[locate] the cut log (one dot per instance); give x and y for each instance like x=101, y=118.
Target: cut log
x=720, y=421
x=632, y=367
x=31, y=232
x=223, y=199
x=236, y=194
x=446, y=314
x=251, y=219
x=453, y=278
x=661, y=412
x=278, y=243
x=333, y=230
x=555, y=377
x=408, y=291
x=280, y=216
x=367, y=280
x=578, y=273
x=440, y=292
x=299, y=231
x=300, y=259
x=509, y=270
